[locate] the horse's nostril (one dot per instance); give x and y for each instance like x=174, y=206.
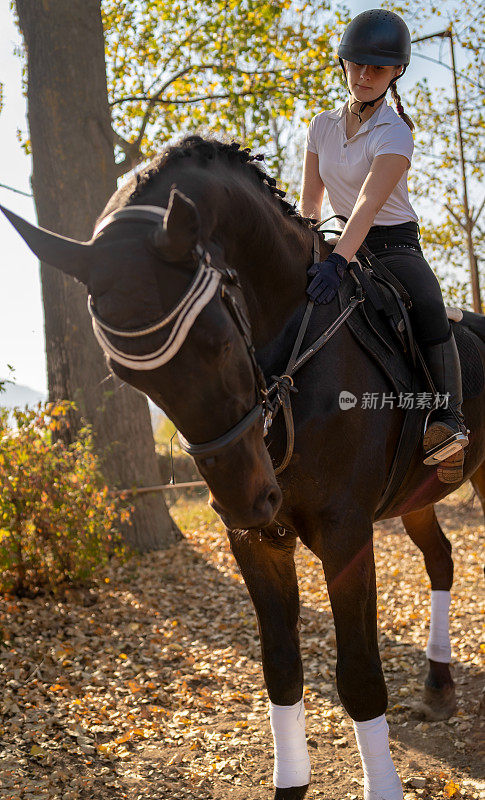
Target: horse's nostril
x=274, y=498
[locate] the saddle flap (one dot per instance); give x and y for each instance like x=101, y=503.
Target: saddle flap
x=372, y=328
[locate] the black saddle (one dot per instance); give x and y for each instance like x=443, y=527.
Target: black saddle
x=382, y=327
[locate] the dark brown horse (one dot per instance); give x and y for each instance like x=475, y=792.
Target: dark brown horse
x=171, y=317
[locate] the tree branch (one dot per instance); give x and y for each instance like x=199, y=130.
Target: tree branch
x=133, y=154
x=121, y=142
x=180, y=44
x=447, y=66
x=455, y=217
x=480, y=209
x=123, y=166
x=17, y=191
x=154, y=99
x=180, y=101
x=164, y=86
x=248, y=73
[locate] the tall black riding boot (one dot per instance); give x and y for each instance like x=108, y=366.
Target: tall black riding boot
x=446, y=434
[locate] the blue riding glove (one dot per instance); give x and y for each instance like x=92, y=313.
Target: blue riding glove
x=327, y=276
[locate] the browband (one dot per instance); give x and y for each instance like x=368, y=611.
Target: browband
x=136, y=213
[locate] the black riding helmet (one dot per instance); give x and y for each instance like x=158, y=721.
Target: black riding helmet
x=379, y=38
x=376, y=37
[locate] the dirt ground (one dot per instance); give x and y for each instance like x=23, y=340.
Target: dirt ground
x=149, y=685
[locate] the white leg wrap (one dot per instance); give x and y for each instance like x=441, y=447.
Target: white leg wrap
x=291, y=759
x=381, y=781
x=439, y=645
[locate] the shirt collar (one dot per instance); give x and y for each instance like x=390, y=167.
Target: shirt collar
x=337, y=113
x=383, y=116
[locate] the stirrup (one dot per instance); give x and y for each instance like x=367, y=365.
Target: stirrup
x=452, y=444
x=446, y=448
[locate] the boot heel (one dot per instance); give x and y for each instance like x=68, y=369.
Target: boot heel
x=451, y=469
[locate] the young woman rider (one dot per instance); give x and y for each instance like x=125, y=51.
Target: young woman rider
x=361, y=153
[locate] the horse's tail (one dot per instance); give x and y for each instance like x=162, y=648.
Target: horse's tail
x=475, y=322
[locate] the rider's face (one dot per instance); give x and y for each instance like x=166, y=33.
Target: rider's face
x=366, y=82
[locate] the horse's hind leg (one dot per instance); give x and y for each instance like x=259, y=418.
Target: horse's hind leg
x=425, y=531
x=268, y=568
x=478, y=483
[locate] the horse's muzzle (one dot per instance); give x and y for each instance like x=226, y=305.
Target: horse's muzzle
x=258, y=515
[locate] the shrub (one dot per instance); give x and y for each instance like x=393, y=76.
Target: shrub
x=57, y=518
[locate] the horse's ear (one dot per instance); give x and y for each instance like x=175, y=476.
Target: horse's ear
x=68, y=255
x=180, y=230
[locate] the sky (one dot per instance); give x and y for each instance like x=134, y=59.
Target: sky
x=21, y=320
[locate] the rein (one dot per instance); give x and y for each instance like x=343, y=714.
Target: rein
x=284, y=384
x=176, y=325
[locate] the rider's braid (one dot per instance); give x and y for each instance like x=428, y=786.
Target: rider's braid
x=400, y=109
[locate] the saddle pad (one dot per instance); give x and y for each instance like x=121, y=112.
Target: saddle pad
x=471, y=364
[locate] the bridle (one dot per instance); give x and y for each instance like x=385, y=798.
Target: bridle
x=176, y=325
x=208, y=280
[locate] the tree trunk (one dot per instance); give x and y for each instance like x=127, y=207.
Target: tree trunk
x=73, y=177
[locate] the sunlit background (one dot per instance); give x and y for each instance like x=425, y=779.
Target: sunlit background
x=21, y=318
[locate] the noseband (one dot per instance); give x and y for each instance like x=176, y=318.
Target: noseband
x=176, y=325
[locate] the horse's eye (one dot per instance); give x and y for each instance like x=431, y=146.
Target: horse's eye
x=222, y=347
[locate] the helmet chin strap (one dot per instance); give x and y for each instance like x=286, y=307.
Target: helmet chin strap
x=370, y=103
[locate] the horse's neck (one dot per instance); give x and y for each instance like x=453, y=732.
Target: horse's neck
x=270, y=251
x=271, y=254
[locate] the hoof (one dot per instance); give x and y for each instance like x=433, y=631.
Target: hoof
x=437, y=703
x=294, y=793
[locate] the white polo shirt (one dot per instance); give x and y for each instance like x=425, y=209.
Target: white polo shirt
x=344, y=163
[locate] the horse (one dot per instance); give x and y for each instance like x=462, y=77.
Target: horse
x=197, y=275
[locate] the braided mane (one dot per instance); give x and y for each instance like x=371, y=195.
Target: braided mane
x=206, y=150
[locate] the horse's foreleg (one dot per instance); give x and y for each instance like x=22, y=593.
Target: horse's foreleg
x=426, y=533
x=268, y=568
x=348, y=561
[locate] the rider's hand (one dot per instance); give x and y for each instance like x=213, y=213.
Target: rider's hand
x=327, y=276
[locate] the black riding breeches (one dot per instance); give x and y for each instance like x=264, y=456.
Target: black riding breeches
x=397, y=246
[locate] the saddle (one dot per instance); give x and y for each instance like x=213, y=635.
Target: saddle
x=382, y=327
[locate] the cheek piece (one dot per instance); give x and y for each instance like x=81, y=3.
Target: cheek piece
x=370, y=102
